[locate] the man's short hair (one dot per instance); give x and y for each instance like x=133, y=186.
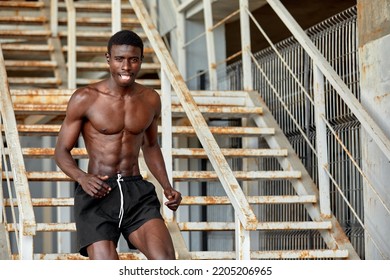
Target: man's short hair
x=126, y=37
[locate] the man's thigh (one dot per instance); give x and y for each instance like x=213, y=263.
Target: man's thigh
x=153, y=240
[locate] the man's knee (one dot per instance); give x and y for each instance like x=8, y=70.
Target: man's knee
x=102, y=250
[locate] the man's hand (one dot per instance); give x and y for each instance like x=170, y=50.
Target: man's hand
x=95, y=185
x=174, y=199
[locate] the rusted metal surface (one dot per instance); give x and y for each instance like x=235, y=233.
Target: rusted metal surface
x=21, y=4
x=23, y=19
x=334, y=238
x=233, y=131
x=224, y=226
x=35, y=81
x=49, y=152
x=201, y=153
x=25, y=47
x=122, y=256
x=25, y=33
x=239, y=175
x=85, y=21
x=42, y=202
x=334, y=79
x=217, y=159
x=26, y=213
x=221, y=200
x=299, y=254
x=216, y=111
x=29, y=64
x=273, y=255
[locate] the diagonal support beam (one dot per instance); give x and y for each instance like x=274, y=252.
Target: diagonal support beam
x=217, y=159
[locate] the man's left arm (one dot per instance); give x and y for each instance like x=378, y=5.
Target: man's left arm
x=154, y=160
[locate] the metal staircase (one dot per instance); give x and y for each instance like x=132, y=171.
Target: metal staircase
x=215, y=141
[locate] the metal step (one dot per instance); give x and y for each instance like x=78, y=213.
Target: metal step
x=25, y=34
x=177, y=111
x=94, y=7
x=176, y=152
x=122, y=256
x=220, y=255
x=198, y=226
x=223, y=226
x=21, y=4
x=101, y=21
x=178, y=176
x=7, y=47
x=35, y=81
x=176, y=130
x=145, y=82
x=187, y=200
x=20, y=20
x=273, y=255
x=21, y=65
x=94, y=35
x=103, y=66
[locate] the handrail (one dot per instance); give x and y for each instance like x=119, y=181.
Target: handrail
x=27, y=221
x=342, y=89
x=323, y=168
x=217, y=159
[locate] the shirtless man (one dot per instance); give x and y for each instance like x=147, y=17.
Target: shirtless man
x=117, y=117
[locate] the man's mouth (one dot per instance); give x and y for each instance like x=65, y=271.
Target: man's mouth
x=125, y=77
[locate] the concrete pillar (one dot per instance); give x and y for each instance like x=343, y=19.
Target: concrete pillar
x=374, y=43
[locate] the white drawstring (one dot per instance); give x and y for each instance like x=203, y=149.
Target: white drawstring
x=121, y=193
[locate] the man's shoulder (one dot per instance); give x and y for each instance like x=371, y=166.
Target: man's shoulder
x=88, y=91
x=147, y=91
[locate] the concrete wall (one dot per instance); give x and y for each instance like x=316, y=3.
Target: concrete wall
x=374, y=46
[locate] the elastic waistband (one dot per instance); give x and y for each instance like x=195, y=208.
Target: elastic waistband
x=125, y=178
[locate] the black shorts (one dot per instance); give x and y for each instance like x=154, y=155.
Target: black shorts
x=99, y=218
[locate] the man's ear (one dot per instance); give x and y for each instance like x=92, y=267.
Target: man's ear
x=107, y=57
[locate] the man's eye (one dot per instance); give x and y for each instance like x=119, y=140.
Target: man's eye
x=118, y=58
x=135, y=60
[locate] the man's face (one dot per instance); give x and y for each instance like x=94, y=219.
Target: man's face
x=124, y=63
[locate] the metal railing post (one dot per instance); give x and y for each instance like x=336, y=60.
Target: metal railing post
x=321, y=140
x=54, y=17
x=72, y=69
x=116, y=16
x=166, y=133
x=246, y=46
x=210, y=43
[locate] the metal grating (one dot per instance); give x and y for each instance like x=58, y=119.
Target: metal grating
x=336, y=38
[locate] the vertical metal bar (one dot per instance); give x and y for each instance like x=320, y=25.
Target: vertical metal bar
x=54, y=17
x=245, y=46
x=166, y=123
x=321, y=137
x=26, y=212
x=242, y=241
x=72, y=68
x=181, y=37
x=116, y=16
x=210, y=43
x=26, y=242
x=217, y=159
x=243, y=236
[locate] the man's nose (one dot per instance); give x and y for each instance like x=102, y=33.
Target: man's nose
x=125, y=64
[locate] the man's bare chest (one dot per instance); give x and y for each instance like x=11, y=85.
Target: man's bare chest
x=120, y=117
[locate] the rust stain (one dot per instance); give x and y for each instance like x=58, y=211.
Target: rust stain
x=379, y=98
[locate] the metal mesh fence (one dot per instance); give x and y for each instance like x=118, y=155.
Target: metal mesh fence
x=336, y=38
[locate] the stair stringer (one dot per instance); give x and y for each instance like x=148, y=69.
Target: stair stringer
x=335, y=238
x=217, y=159
x=5, y=250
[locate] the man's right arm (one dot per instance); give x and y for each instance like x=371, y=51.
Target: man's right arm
x=67, y=138
x=92, y=184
